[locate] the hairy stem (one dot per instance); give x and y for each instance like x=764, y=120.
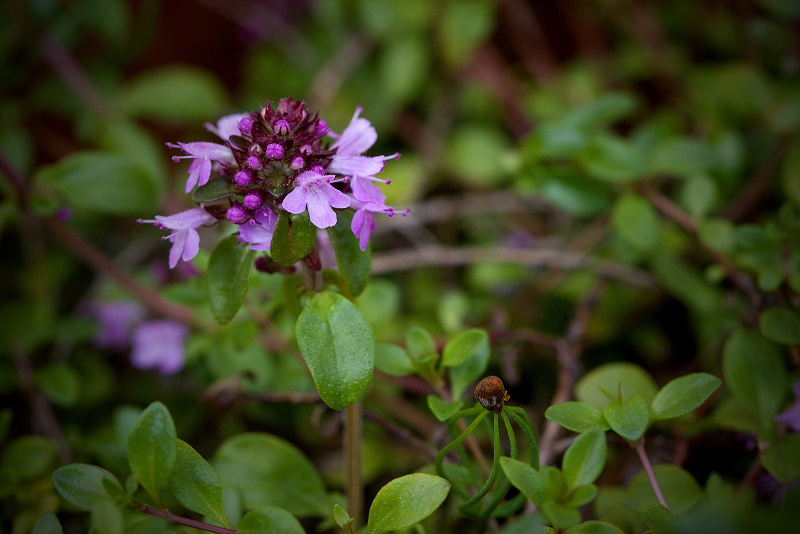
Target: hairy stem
x=352, y=441
x=180, y=520
x=648, y=469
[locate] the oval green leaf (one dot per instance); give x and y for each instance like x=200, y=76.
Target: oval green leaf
x=269, y=520
x=405, y=501
x=419, y=343
x=464, y=345
x=392, y=360
x=584, y=459
x=82, y=484
x=293, y=238
x=637, y=222
x=354, y=264
x=682, y=395
x=601, y=385
x=60, y=383
x=48, y=523
x=629, y=420
x=442, y=409
x=195, y=484
x=229, y=271
x=337, y=344
x=102, y=181
x=594, y=527
x=151, y=448
x=216, y=188
x=268, y=471
x=526, y=479
x=781, y=324
x=679, y=487
x=755, y=373
x=576, y=416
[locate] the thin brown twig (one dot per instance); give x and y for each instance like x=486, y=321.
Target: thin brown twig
x=180, y=520
x=400, y=433
x=568, y=352
x=41, y=407
x=444, y=256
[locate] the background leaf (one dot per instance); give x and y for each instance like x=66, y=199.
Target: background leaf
x=576, y=416
x=269, y=471
x=269, y=520
x=354, y=264
x=781, y=324
x=632, y=379
x=682, y=395
x=337, y=344
x=81, y=485
x=584, y=459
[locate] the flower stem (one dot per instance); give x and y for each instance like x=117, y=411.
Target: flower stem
x=352, y=442
x=180, y=520
x=648, y=469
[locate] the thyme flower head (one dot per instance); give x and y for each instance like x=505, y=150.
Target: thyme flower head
x=276, y=160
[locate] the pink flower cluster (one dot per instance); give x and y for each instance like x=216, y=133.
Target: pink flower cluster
x=279, y=160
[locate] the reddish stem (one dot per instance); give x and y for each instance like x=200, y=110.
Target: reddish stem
x=180, y=520
x=648, y=469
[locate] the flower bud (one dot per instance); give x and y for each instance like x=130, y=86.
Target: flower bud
x=252, y=201
x=246, y=126
x=254, y=163
x=243, y=178
x=491, y=393
x=274, y=151
x=282, y=127
x=237, y=214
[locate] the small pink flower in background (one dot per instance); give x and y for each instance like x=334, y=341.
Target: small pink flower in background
x=116, y=320
x=185, y=239
x=315, y=191
x=159, y=345
x=791, y=416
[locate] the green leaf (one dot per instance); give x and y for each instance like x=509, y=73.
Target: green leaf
x=269, y=471
x=656, y=516
x=392, y=360
x=405, y=501
x=216, y=188
x=195, y=484
x=581, y=495
x=613, y=159
x=442, y=409
x=553, y=141
x=419, y=343
x=29, y=457
x=584, y=459
x=781, y=324
x=293, y=238
x=476, y=154
x=526, y=479
x=337, y=344
x=109, y=183
x=636, y=221
x=151, y=448
x=575, y=193
x=629, y=378
x=604, y=110
x=47, y=524
x=176, y=93
x=81, y=485
x=682, y=395
x=106, y=517
x=342, y=518
x=576, y=416
x=594, y=527
x=680, y=489
x=229, y=271
x=716, y=234
x=467, y=372
x=464, y=345
x=755, y=373
x=60, y=383
x=681, y=157
x=269, y=520
x=560, y=516
x=354, y=264
x=782, y=457
x=630, y=419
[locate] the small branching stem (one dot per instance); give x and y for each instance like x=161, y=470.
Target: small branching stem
x=180, y=520
x=648, y=469
x=352, y=442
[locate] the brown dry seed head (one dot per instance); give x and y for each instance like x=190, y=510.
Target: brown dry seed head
x=491, y=393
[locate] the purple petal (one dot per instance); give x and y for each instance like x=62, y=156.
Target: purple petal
x=204, y=149
x=790, y=417
x=352, y=165
x=193, y=218
x=362, y=226
x=178, y=241
x=295, y=202
x=159, y=345
x=319, y=209
x=191, y=245
x=334, y=197
x=258, y=235
x=357, y=138
x=227, y=126
x=365, y=190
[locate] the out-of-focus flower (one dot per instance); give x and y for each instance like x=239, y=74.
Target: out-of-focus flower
x=791, y=416
x=204, y=154
x=185, y=239
x=159, y=345
x=117, y=319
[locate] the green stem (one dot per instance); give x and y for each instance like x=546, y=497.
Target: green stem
x=521, y=417
x=648, y=469
x=453, y=444
x=504, y=487
x=495, y=465
x=353, y=437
